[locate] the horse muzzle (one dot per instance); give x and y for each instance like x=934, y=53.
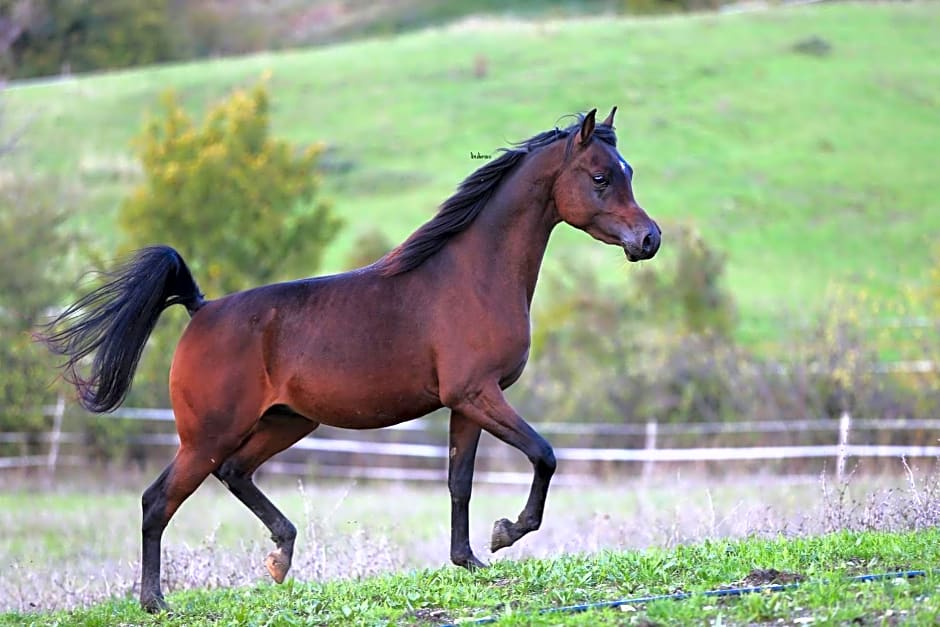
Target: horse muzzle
x=643, y=244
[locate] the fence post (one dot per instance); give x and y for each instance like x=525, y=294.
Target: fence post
x=845, y=423
x=55, y=437
x=651, y=429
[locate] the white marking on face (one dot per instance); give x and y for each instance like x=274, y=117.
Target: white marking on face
x=627, y=170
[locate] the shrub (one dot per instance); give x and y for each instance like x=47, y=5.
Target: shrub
x=692, y=289
x=655, y=351
x=369, y=246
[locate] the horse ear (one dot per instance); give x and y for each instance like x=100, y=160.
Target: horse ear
x=587, y=127
x=610, y=118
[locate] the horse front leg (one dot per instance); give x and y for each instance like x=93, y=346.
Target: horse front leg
x=464, y=437
x=489, y=409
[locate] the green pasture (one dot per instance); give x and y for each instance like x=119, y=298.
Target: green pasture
x=516, y=591
x=377, y=553
x=801, y=142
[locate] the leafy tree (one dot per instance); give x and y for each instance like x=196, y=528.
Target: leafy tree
x=37, y=252
x=30, y=236
x=50, y=36
x=241, y=207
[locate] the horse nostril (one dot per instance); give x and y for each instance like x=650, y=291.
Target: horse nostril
x=650, y=243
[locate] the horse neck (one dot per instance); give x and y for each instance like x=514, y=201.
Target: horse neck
x=505, y=244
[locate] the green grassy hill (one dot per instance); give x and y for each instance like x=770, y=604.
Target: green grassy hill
x=810, y=169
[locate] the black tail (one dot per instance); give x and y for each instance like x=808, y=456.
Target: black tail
x=115, y=320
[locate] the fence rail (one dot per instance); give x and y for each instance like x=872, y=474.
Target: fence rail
x=398, y=459
x=569, y=428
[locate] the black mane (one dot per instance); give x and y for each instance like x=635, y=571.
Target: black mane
x=460, y=210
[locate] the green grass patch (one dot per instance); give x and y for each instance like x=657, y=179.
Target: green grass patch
x=516, y=591
x=811, y=171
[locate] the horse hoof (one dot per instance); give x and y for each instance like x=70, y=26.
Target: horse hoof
x=154, y=605
x=474, y=564
x=470, y=562
x=277, y=564
x=501, y=535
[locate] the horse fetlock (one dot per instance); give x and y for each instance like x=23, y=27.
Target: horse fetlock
x=278, y=563
x=530, y=523
x=467, y=560
x=504, y=534
x=153, y=603
x=285, y=535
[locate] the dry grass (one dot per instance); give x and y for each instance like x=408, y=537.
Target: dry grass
x=74, y=547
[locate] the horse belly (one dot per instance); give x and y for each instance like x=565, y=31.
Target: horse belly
x=352, y=354
x=352, y=399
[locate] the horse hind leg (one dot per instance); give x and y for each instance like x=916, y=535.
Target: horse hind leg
x=274, y=433
x=160, y=501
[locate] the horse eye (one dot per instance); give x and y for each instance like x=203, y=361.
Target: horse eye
x=600, y=180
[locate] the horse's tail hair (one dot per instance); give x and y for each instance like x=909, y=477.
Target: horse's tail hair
x=113, y=322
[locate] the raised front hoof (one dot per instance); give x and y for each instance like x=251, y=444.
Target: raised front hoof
x=470, y=562
x=277, y=563
x=502, y=535
x=154, y=604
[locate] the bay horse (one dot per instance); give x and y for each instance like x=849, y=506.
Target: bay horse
x=440, y=321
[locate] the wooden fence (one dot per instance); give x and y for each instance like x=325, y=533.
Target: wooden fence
x=417, y=450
